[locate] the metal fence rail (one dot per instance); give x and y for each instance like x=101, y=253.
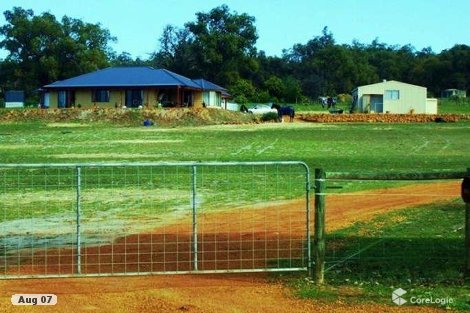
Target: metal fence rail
x=370, y=225
x=59, y=220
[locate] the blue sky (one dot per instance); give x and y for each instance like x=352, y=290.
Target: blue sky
x=138, y=24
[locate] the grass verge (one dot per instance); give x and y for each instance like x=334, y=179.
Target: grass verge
x=418, y=249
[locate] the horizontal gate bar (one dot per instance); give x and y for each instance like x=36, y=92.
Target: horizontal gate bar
x=156, y=164
x=397, y=176
x=235, y=271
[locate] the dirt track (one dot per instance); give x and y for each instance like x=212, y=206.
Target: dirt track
x=227, y=293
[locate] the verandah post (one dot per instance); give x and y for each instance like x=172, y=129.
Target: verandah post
x=319, y=240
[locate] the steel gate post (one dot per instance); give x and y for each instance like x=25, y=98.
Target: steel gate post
x=194, y=209
x=79, y=269
x=308, y=220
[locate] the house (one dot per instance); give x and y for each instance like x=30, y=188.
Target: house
x=213, y=95
x=457, y=93
x=393, y=97
x=130, y=87
x=14, y=99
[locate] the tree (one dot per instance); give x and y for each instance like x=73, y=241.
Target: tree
x=176, y=52
x=43, y=49
x=125, y=59
x=242, y=90
x=223, y=44
x=292, y=90
x=275, y=87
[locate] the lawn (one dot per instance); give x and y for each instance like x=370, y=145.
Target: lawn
x=459, y=106
x=335, y=147
x=404, y=249
x=48, y=195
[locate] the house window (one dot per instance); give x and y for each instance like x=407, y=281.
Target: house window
x=392, y=94
x=134, y=98
x=100, y=95
x=62, y=99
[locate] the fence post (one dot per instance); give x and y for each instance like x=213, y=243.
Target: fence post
x=319, y=240
x=194, y=207
x=466, y=199
x=79, y=261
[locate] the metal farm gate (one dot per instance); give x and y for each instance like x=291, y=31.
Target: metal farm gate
x=62, y=220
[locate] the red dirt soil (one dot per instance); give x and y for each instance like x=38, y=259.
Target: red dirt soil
x=225, y=238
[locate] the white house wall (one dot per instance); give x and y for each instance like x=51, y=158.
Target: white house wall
x=412, y=98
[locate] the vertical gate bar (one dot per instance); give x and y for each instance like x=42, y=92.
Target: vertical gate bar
x=307, y=207
x=194, y=173
x=79, y=267
x=319, y=241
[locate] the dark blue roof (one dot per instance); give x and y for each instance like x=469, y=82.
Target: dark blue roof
x=207, y=85
x=126, y=77
x=14, y=96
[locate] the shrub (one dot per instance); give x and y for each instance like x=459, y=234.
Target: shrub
x=344, y=98
x=241, y=99
x=262, y=97
x=268, y=117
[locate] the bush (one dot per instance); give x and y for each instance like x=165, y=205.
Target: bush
x=268, y=117
x=344, y=98
x=262, y=97
x=241, y=99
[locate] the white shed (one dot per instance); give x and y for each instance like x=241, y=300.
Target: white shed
x=393, y=97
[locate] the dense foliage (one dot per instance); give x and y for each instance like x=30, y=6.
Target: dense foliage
x=220, y=45
x=43, y=49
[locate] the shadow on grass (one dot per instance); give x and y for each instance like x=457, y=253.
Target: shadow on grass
x=418, y=249
x=395, y=260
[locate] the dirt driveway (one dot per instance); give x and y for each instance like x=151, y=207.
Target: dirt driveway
x=224, y=293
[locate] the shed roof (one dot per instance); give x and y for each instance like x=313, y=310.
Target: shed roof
x=389, y=82
x=125, y=77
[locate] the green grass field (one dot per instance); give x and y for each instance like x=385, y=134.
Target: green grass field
x=367, y=148
x=335, y=147
x=407, y=249
x=459, y=106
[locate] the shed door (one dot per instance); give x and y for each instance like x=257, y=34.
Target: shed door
x=377, y=103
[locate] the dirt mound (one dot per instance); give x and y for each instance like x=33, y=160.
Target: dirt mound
x=161, y=117
x=383, y=118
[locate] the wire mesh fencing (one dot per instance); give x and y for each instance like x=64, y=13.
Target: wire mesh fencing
x=116, y=219
x=389, y=229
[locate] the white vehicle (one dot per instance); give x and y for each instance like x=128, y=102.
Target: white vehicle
x=262, y=109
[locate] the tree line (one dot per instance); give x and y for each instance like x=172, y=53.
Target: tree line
x=220, y=45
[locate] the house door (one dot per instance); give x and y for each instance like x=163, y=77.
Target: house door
x=377, y=103
x=188, y=98
x=134, y=98
x=45, y=100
